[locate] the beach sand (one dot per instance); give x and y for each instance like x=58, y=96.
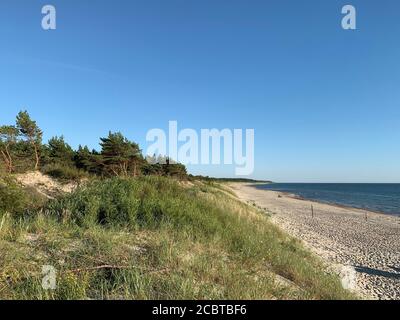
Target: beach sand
x=362, y=246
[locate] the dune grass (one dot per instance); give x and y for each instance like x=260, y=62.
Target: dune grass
x=64, y=173
x=153, y=238
x=17, y=200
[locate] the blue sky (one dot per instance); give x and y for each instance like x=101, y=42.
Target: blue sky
x=324, y=102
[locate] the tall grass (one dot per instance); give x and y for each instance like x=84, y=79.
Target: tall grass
x=151, y=238
x=15, y=199
x=64, y=173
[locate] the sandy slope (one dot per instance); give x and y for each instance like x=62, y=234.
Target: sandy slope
x=43, y=184
x=366, y=242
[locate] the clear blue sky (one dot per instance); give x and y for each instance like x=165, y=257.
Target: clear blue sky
x=324, y=102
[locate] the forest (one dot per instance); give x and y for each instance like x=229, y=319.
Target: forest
x=22, y=149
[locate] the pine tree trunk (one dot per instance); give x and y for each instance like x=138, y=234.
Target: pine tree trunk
x=10, y=162
x=9, y=168
x=36, y=156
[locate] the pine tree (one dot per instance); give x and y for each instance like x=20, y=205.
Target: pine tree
x=121, y=156
x=90, y=161
x=82, y=158
x=8, y=139
x=60, y=152
x=32, y=133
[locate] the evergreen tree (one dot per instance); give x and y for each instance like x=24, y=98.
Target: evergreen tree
x=31, y=132
x=60, y=152
x=152, y=166
x=96, y=163
x=8, y=139
x=82, y=158
x=121, y=156
x=174, y=169
x=90, y=161
x=164, y=166
x=21, y=145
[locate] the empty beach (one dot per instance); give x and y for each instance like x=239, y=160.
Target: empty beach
x=353, y=241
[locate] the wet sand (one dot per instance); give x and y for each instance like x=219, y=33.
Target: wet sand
x=358, y=244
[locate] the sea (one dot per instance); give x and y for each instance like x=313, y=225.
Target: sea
x=379, y=197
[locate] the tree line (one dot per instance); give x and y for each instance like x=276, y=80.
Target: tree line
x=22, y=149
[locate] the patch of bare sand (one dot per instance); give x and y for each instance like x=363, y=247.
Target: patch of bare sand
x=45, y=185
x=352, y=241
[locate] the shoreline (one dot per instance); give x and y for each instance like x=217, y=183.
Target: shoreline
x=343, y=206
x=334, y=204
x=364, y=252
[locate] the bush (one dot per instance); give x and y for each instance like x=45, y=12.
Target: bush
x=64, y=173
x=145, y=201
x=117, y=201
x=15, y=199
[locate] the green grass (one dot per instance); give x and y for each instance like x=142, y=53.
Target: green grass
x=17, y=200
x=163, y=241
x=64, y=173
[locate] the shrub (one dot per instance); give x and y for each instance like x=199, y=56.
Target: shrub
x=117, y=201
x=64, y=173
x=15, y=199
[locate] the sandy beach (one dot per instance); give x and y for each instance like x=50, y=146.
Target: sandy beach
x=362, y=246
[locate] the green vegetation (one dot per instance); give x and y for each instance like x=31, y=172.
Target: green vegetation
x=21, y=150
x=154, y=238
x=222, y=180
x=137, y=229
x=64, y=173
x=32, y=134
x=17, y=200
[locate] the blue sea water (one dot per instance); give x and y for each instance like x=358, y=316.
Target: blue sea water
x=381, y=197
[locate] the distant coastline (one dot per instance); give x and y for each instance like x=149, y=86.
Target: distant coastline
x=378, y=198
x=351, y=240
x=243, y=180
x=333, y=204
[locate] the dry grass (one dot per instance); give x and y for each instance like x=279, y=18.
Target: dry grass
x=152, y=238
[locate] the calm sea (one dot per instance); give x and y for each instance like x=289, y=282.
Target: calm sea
x=383, y=197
